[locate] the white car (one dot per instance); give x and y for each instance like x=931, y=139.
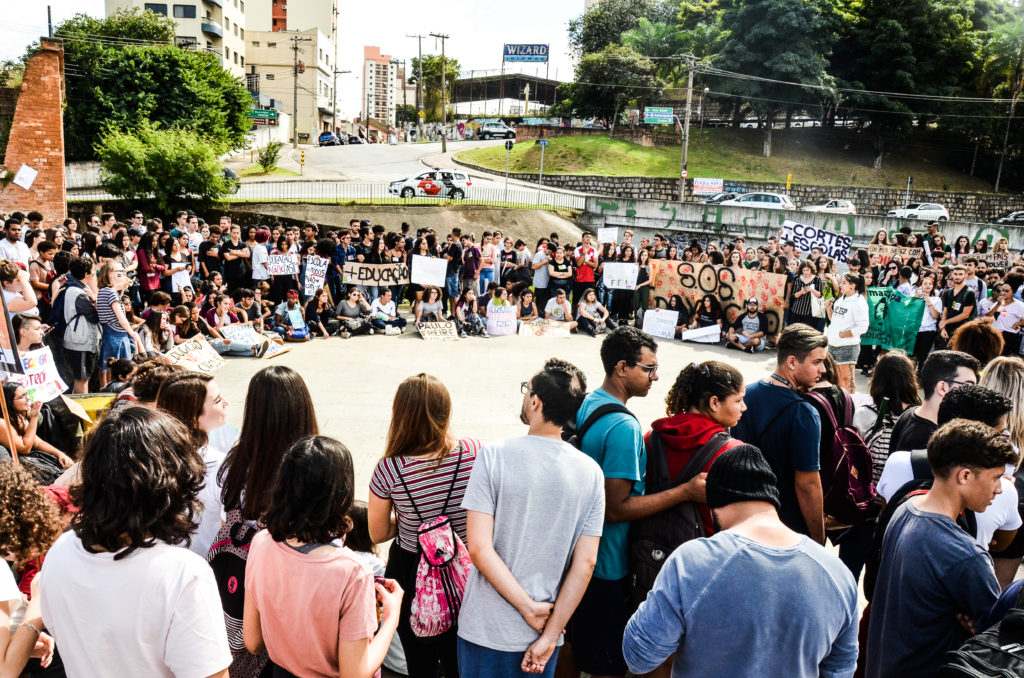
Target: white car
x=495, y=130
x=837, y=206
x=929, y=211
x=436, y=183
x=770, y=201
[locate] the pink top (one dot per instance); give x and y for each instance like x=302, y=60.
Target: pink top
x=309, y=603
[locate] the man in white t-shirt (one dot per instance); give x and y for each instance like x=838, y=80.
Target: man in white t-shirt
x=11, y=247
x=999, y=523
x=384, y=314
x=118, y=593
x=1006, y=314
x=558, y=310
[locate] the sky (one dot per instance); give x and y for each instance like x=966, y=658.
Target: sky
x=477, y=32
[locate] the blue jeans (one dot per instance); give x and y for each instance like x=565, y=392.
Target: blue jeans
x=451, y=286
x=379, y=324
x=476, y=661
x=115, y=345
x=486, y=276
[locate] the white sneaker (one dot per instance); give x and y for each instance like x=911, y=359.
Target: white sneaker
x=391, y=330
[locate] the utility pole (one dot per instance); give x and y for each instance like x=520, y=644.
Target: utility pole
x=690, y=60
x=334, y=122
x=444, y=87
x=1018, y=76
x=334, y=85
x=296, y=39
x=49, y=21
x=419, y=87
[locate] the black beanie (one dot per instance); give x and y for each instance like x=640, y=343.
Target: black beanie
x=741, y=474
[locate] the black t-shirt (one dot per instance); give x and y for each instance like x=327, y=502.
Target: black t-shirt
x=955, y=304
x=455, y=252
x=911, y=432
x=237, y=268
x=560, y=268
x=209, y=254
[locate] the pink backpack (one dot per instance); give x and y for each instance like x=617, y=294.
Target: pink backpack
x=442, y=572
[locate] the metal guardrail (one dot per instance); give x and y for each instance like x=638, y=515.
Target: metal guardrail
x=346, y=192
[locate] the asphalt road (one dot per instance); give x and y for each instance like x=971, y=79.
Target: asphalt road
x=380, y=162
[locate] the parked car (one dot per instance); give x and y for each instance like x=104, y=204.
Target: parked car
x=929, y=211
x=329, y=139
x=437, y=183
x=771, y=201
x=1015, y=217
x=356, y=140
x=835, y=206
x=718, y=197
x=495, y=130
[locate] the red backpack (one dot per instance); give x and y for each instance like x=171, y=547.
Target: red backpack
x=846, y=483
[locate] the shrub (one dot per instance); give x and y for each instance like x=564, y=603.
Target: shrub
x=269, y=156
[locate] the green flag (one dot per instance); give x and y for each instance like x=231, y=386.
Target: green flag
x=895, y=319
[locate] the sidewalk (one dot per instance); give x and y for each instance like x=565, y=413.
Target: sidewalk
x=289, y=160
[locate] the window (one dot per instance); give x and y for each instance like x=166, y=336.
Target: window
x=243, y=62
x=156, y=8
x=242, y=6
x=236, y=58
x=184, y=11
x=271, y=45
x=255, y=43
x=235, y=29
x=270, y=76
x=243, y=34
x=227, y=53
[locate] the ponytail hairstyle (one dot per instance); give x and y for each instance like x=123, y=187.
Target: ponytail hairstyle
x=698, y=383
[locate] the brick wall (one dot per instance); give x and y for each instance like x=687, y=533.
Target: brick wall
x=37, y=138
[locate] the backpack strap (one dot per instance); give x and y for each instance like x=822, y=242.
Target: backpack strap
x=701, y=457
x=777, y=416
x=919, y=464
x=823, y=402
x=408, y=494
x=607, y=408
x=455, y=477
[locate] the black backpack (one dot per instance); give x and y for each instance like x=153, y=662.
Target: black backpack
x=574, y=436
x=921, y=483
x=999, y=651
x=654, y=538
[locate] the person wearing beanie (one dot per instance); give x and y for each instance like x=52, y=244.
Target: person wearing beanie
x=715, y=597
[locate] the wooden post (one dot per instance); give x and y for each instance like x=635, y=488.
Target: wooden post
x=10, y=430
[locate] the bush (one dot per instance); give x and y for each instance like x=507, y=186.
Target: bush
x=171, y=166
x=269, y=156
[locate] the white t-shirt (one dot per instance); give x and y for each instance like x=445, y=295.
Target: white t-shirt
x=1006, y=317
x=928, y=323
x=556, y=309
x=156, y=612
x=258, y=258
x=17, y=252
x=213, y=508
x=1001, y=514
x=387, y=309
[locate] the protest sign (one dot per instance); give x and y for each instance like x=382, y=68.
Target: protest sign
x=894, y=319
x=659, y=322
x=282, y=264
x=544, y=328
x=243, y=333
x=712, y=334
x=887, y=252
x=832, y=244
x=376, y=275
x=428, y=270
x=731, y=286
x=39, y=377
x=275, y=349
x=438, y=331
x=316, y=273
x=9, y=361
x=609, y=234
x=995, y=259
x=197, y=355
x=620, y=276
x=501, y=320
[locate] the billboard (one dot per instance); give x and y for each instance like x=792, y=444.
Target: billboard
x=525, y=52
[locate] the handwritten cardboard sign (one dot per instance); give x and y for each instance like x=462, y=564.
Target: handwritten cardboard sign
x=40, y=378
x=438, y=331
x=316, y=273
x=619, y=275
x=832, y=244
x=887, y=252
x=375, y=275
x=660, y=322
x=501, y=320
x=197, y=355
x=282, y=264
x=544, y=328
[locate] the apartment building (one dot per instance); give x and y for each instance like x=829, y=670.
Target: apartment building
x=217, y=26
x=270, y=63
x=292, y=15
x=380, y=78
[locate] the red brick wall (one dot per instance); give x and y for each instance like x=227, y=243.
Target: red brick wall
x=37, y=138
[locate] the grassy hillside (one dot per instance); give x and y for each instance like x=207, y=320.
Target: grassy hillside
x=813, y=156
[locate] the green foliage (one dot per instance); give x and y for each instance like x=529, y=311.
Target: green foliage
x=405, y=113
x=269, y=156
x=172, y=166
x=432, y=83
x=608, y=81
x=657, y=40
x=117, y=81
x=604, y=24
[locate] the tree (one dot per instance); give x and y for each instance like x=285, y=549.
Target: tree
x=171, y=166
x=270, y=156
x=116, y=79
x=1007, y=67
x=782, y=40
x=604, y=24
x=607, y=81
x=405, y=113
x=658, y=40
x=432, y=83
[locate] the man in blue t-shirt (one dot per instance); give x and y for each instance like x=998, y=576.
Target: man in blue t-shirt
x=787, y=429
x=934, y=581
x=616, y=443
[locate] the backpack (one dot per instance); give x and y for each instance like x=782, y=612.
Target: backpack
x=920, y=484
x=574, y=436
x=227, y=558
x=847, y=490
x=443, y=569
x=999, y=651
x=654, y=538
x=878, y=438
x=80, y=334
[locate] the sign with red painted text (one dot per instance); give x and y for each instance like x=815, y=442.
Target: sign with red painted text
x=731, y=286
x=885, y=253
x=704, y=186
x=316, y=273
x=40, y=378
x=544, y=328
x=619, y=275
x=282, y=264
x=501, y=320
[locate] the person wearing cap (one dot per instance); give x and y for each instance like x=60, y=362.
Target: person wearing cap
x=289, y=319
x=750, y=329
x=717, y=599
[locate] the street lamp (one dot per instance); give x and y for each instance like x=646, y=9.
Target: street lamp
x=334, y=104
x=700, y=107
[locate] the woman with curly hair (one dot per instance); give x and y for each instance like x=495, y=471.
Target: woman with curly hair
x=152, y=604
x=978, y=339
x=29, y=524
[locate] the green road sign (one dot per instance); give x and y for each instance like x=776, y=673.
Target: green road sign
x=658, y=115
x=264, y=113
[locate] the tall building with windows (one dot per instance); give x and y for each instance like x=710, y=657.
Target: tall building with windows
x=217, y=26
x=379, y=85
x=292, y=15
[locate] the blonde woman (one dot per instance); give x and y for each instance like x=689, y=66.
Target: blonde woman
x=1002, y=245
x=1005, y=375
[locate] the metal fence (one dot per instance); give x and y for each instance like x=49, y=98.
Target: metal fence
x=355, y=193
